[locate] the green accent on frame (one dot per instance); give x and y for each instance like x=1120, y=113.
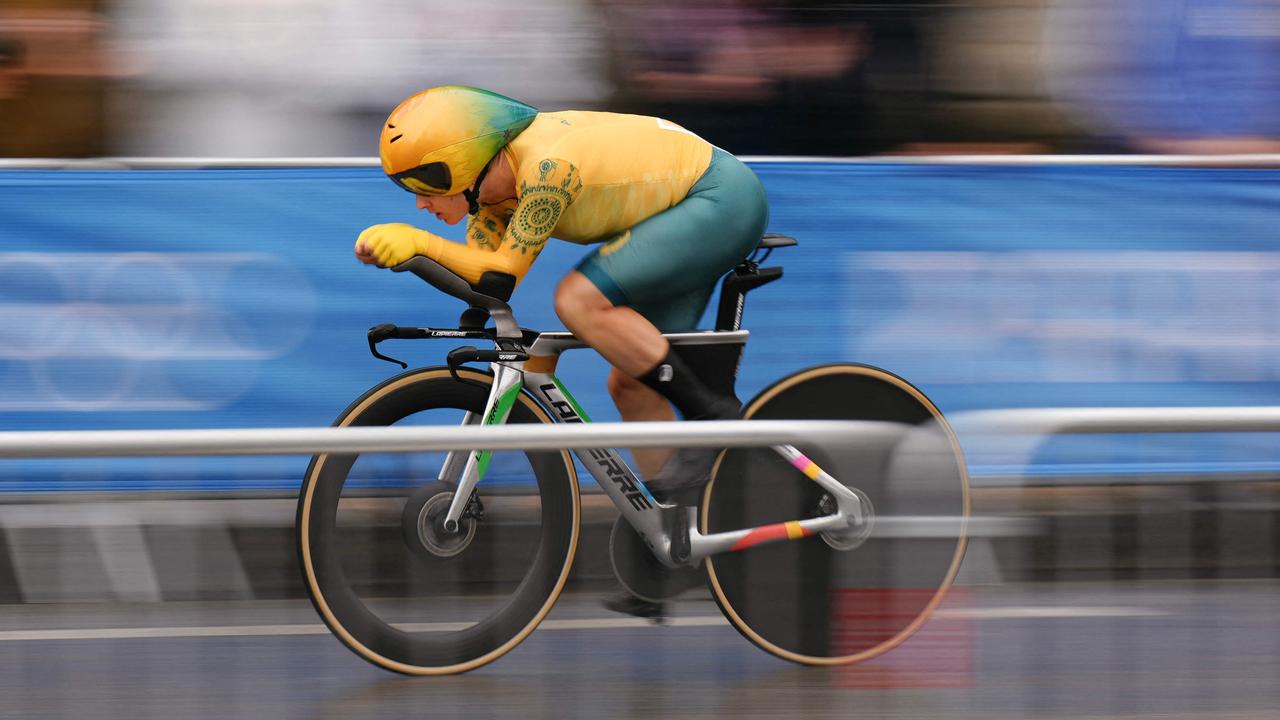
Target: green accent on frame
x=499, y=415
x=565, y=392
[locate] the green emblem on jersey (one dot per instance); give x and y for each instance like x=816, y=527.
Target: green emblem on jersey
x=481, y=237
x=541, y=204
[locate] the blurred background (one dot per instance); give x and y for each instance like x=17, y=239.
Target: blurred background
x=1015, y=204
x=308, y=77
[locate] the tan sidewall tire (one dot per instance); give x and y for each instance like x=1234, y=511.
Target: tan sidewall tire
x=718, y=592
x=304, y=541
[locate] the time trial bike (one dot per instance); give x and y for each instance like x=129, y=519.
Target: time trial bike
x=438, y=563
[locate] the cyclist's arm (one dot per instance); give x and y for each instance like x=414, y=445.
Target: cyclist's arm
x=486, y=228
x=545, y=190
x=543, y=197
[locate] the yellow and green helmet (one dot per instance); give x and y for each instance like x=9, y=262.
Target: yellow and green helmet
x=439, y=141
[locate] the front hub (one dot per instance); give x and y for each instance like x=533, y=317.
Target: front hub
x=422, y=523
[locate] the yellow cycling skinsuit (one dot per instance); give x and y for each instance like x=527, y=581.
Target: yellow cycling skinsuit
x=669, y=212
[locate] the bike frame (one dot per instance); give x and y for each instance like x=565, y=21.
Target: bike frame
x=628, y=493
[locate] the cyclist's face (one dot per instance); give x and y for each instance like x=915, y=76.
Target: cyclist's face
x=449, y=208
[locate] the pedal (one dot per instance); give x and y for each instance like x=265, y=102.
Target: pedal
x=627, y=604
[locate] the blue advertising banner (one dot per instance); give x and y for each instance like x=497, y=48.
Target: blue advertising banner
x=231, y=298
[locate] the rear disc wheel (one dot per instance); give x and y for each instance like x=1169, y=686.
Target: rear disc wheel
x=850, y=595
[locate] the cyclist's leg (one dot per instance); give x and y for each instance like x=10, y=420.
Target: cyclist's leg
x=653, y=373
x=659, y=275
x=637, y=403
x=663, y=271
x=666, y=267
x=628, y=340
x=642, y=403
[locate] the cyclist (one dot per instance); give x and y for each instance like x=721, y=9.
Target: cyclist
x=667, y=213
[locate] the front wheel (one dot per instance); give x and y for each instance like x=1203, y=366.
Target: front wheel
x=385, y=575
x=829, y=600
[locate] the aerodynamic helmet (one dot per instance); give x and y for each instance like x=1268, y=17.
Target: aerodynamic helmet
x=439, y=141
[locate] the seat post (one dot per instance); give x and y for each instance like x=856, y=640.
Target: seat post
x=742, y=279
x=747, y=276
x=733, y=299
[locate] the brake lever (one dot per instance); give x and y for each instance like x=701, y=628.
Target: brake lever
x=468, y=353
x=377, y=334
x=458, y=356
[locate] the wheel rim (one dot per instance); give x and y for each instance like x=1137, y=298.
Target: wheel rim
x=910, y=606
x=379, y=639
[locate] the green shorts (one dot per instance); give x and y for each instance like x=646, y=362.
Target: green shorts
x=667, y=266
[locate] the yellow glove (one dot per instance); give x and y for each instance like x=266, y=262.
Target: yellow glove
x=393, y=243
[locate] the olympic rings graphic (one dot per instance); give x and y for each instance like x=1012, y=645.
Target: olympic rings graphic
x=125, y=331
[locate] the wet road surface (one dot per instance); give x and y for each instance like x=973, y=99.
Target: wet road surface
x=1129, y=650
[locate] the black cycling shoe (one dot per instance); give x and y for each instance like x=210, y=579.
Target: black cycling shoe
x=628, y=604
x=681, y=479
x=683, y=476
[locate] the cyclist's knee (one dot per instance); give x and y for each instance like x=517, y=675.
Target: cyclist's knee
x=577, y=297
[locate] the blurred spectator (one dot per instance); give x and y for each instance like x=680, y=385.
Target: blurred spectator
x=53, y=68
x=318, y=77
x=692, y=63
x=818, y=59
x=1171, y=75
x=985, y=82
x=790, y=77
x=751, y=76
x=10, y=68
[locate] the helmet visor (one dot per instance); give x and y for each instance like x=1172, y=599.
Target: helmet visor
x=430, y=179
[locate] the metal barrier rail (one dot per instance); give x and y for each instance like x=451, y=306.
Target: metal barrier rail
x=1025, y=430
x=1074, y=421
x=290, y=441
x=295, y=441
x=720, y=433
